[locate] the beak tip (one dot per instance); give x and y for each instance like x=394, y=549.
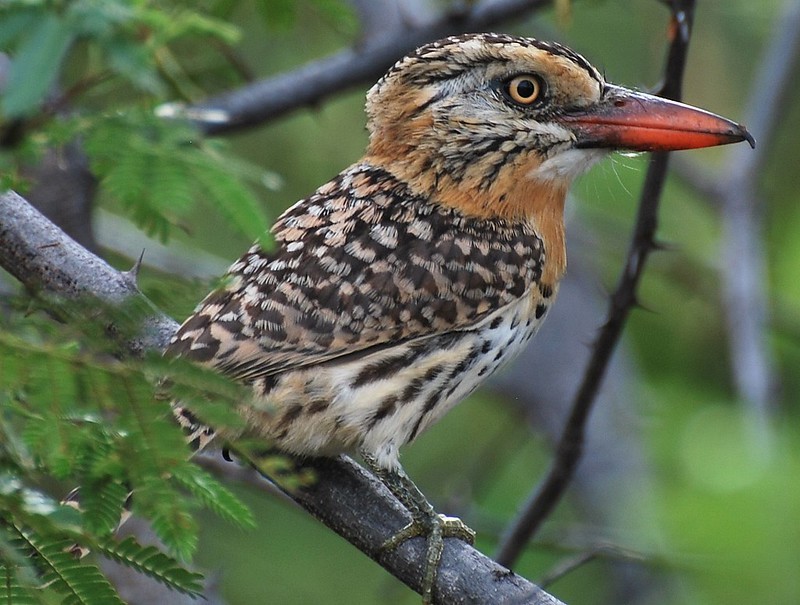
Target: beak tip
x=748, y=137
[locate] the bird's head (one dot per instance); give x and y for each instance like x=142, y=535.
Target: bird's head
x=492, y=123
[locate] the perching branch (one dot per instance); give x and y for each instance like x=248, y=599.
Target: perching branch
x=345, y=497
x=49, y=263
x=313, y=83
x=544, y=497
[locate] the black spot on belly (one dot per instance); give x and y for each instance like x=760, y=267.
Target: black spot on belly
x=413, y=389
x=430, y=403
x=386, y=408
x=315, y=406
x=385, y=368
x=290, y=415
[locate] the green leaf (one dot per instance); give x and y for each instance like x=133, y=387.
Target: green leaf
x=160, y=169
x=152, y=562
x=191, y=22
x=12, y=591
x=35, y=66
x=171, y=519
x=214, y=495
x=81, y=584
x=135, y=62
x=102, y=503
x=100, y=18
x=235, y=201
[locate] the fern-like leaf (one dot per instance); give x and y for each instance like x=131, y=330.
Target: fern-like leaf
x=151, y=562
x=82, y=584
x=102, y=503
x=14, y=592
x=214, y=495
x=171, y=519
x=233, y=199
x=158, y=169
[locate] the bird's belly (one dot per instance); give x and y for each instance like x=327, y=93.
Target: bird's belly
x=385, y=399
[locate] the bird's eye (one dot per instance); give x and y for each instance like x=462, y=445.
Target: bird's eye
x=524, y=89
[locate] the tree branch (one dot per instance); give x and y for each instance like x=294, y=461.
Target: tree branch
x=50, y=263
x=313, y=83
x=545, y=496
x=345, y=497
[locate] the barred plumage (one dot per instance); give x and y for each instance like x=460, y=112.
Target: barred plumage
x=404, y=282
x=378, y=311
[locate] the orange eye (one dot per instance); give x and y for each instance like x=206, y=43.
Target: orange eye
x=524, y=89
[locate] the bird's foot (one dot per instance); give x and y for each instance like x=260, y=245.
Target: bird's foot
x=442, y=525
x=425, y=522
x=434, y=528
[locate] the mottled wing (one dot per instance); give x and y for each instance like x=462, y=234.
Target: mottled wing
x=361, y=264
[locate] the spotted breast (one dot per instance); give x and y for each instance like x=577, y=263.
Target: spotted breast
x=378, y=311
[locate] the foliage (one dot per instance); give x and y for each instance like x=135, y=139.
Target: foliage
x=129, y=40
x=74, y=415
x=282, y=14
x=159, y=170
x=87, y=419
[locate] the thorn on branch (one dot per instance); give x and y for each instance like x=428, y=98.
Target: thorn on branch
x=132, y=275
x=658, y=245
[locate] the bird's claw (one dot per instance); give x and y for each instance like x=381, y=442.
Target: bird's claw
x=453, y=527
x=435, y=528
x=449, y=527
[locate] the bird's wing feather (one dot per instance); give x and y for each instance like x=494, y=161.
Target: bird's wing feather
x=360, y=264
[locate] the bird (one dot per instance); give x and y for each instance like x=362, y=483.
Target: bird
x=397, y=287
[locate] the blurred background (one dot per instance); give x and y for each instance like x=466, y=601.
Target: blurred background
x=689, y=489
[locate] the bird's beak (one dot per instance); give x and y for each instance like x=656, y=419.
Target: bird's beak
x=625, y=119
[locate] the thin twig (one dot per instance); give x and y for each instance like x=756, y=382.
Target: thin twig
x=604, y=551
x=316, y=81
x=549, y=492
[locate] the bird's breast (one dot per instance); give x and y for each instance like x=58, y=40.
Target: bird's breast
x=385, y=399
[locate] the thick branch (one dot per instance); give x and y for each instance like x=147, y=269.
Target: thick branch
x=313, y=83
x=48, y=262
x=549, y=492
x=345, y=497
